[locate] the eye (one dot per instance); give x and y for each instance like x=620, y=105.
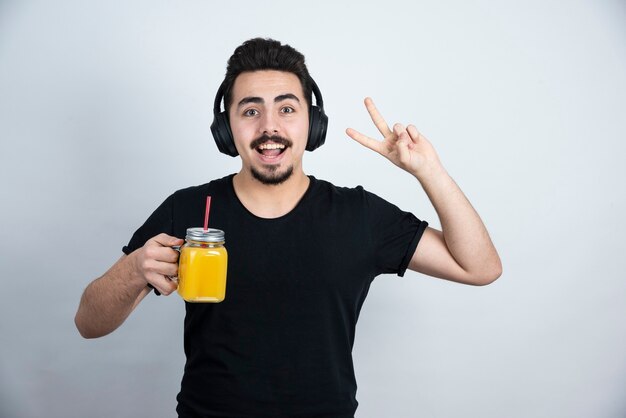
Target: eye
x=287, y=109
x=251, y=112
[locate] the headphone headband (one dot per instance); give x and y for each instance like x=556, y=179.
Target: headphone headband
x=217, y=104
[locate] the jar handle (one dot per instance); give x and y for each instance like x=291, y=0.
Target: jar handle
x=173, y=278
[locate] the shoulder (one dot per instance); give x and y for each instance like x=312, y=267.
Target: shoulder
x=355, y=198
x=214, y=187
x=348, y=193
x=323, y=187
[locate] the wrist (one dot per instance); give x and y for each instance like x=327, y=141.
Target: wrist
x=133, y=273
x=430, y=173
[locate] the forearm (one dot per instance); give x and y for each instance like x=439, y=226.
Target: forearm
x=463, y=251
x=464, y=233
x=108, y=300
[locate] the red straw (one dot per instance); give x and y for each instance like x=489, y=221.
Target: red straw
x=206, y=213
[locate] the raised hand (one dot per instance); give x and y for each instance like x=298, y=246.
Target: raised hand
x=405, y=147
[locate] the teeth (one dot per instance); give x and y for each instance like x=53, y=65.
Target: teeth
x=272, y=146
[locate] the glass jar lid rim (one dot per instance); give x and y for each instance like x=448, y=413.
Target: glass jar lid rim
x=209, y=235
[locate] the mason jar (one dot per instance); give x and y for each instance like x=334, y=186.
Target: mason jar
x=202, y=266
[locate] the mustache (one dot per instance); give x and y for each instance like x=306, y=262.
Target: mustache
x=274, y=138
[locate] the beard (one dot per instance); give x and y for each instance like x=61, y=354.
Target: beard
x=271, y=176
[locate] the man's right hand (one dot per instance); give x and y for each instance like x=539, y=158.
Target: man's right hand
x=157, y=261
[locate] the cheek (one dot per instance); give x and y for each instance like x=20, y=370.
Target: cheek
x=301, y=131
x=242, y=135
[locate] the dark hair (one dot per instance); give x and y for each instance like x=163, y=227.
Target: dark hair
x=265, y=54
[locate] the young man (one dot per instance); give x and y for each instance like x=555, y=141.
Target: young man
x=302, y=252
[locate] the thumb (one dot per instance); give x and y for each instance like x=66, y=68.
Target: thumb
x=403, y=145
x=404, y=155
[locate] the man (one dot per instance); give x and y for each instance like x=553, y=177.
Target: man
x=302, y=252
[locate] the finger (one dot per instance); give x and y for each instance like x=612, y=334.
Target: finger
x=403, y=145
x=401, y=135
x=169, y=255
x=166, y=240
x=414, y=134
x=398, y=129
x=377, y=118
x=161, y=268
x=364, y=139
x=164, y=285
x=158, y=253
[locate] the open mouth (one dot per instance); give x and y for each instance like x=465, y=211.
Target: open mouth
x=271, y=149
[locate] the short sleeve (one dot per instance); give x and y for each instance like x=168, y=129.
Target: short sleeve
x=161, y=221
x=395, y=235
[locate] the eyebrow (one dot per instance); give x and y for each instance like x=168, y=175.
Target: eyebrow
x=259, y=100
x=286, y=97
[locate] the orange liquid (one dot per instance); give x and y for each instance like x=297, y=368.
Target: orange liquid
x=202, y=274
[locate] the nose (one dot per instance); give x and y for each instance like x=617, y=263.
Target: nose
x=269, y=124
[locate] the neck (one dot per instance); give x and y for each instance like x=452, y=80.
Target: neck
x=270, y=201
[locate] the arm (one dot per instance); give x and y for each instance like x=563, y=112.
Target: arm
x=462, y=251
x=108, y=300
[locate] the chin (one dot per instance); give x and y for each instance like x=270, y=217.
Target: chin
x=270, y=176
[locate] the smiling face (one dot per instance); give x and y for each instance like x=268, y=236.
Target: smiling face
x=269, y=119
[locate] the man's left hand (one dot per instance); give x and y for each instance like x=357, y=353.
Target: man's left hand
x=405, y=147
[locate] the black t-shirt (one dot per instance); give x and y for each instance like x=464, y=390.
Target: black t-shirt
x=280, y=344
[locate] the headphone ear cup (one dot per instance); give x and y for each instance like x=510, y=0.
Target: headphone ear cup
x=318, y=124
x=220, y=128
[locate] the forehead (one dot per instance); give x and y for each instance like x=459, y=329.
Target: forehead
x=266, y=84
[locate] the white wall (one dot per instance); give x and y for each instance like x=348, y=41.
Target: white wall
x=104, y=104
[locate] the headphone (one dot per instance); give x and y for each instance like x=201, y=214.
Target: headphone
x=318, y=123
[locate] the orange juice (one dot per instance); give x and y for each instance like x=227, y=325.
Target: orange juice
x=202, y=266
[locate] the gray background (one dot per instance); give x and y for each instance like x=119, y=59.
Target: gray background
x=105, y=109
